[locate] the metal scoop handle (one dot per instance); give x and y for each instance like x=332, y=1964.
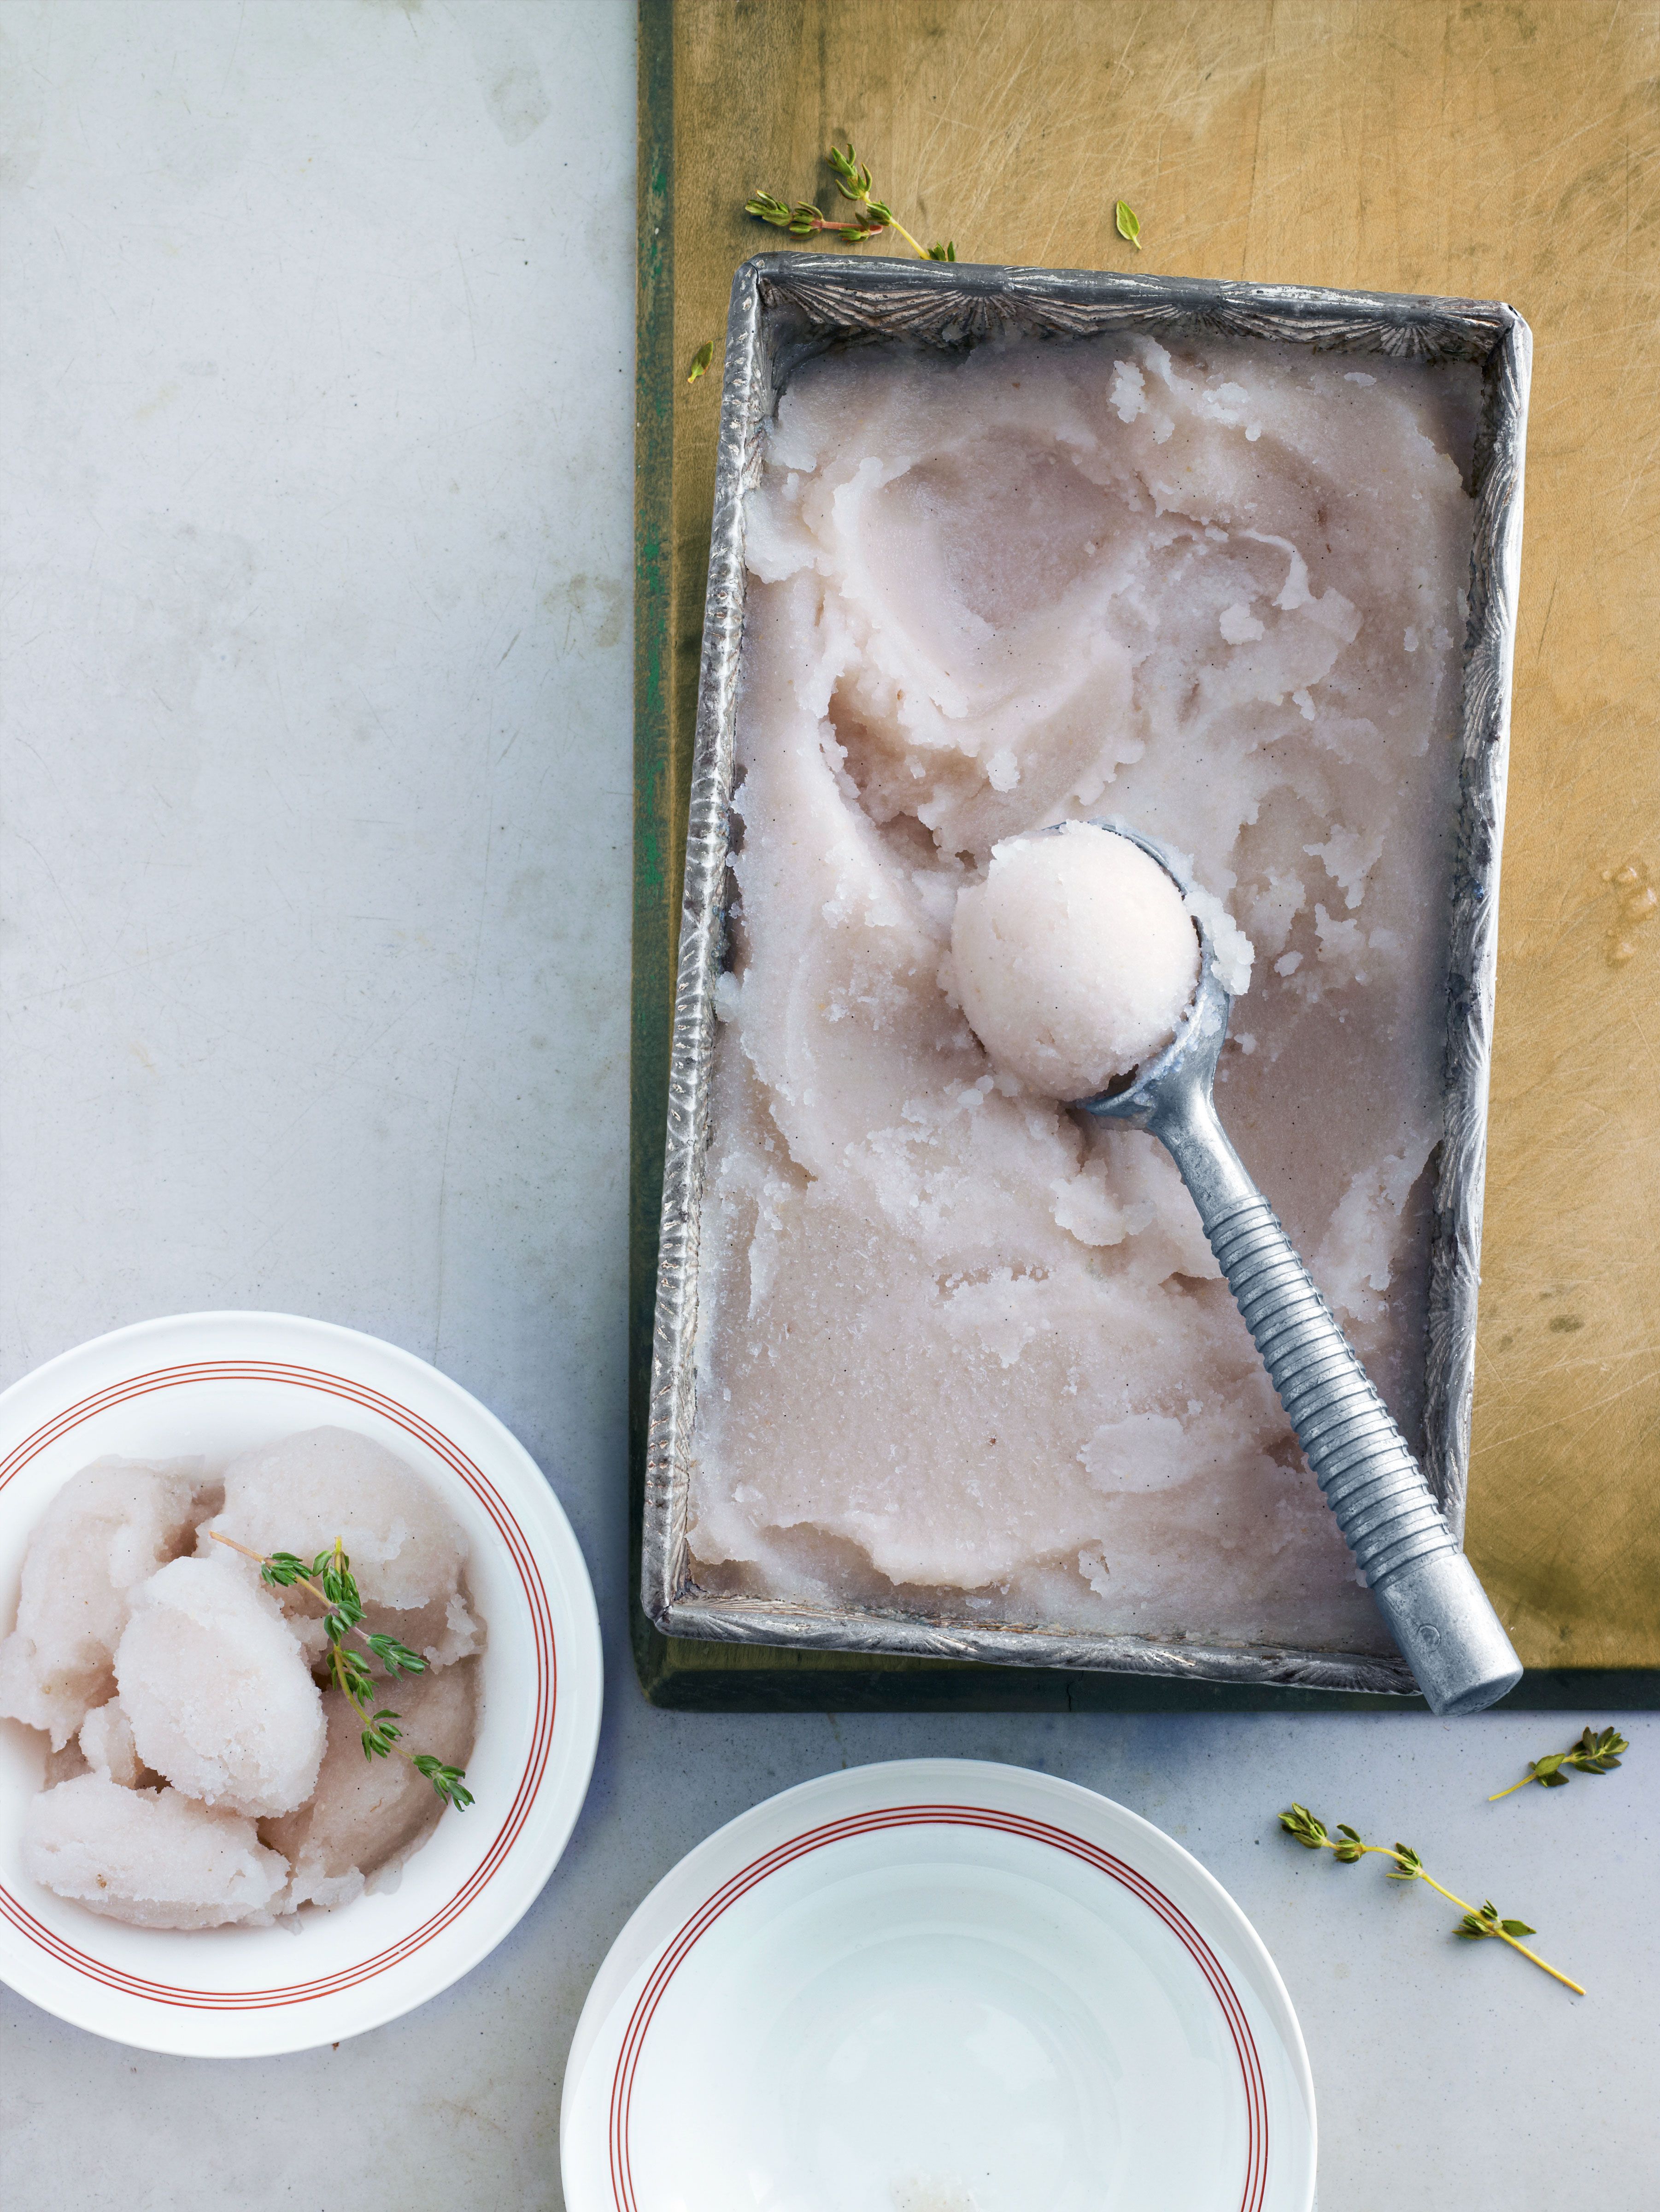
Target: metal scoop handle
x=1437, y=1610
x=1426, y=1589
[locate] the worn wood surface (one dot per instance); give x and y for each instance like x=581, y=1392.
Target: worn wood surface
x=1444, y=146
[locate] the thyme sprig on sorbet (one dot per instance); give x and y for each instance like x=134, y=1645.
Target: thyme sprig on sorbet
x=871, y=216
x=328, y=1579
x=1592, y=1754
x=1349, y=1848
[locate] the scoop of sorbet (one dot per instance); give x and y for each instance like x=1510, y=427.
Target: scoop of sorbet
x=1075, y=958
x=217, y=1692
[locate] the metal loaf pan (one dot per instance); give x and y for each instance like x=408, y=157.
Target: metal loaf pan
x=788, y=307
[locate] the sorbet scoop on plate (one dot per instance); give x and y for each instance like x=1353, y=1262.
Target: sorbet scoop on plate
x=196, y=1854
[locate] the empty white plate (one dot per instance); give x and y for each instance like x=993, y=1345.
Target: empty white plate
x=939, y=1986
x=215, y=1383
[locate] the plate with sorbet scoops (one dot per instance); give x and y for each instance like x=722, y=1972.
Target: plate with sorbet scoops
x=938, y=1985
x=204, y=1390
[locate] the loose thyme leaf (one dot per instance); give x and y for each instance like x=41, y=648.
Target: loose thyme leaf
x=1128, y=223
x=1591, y=1755
x=701, y=360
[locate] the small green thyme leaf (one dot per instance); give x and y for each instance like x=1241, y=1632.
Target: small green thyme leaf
x=1128, y=223
x=701, y=360
x=380, y=1734
x=396, y=1658
x=852, y=177
x=1301, y=1823
x=448, y=1781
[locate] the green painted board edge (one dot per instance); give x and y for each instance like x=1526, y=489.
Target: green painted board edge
x=679, y=1672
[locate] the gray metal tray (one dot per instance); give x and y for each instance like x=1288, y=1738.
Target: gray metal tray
x=787, y=307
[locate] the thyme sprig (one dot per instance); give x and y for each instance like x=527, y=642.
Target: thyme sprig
x=330, y=1580
x=871, y=217
x=1348, y=1847
x=1592, y=1754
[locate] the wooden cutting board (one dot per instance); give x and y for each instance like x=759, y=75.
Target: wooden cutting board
x=1499, y=151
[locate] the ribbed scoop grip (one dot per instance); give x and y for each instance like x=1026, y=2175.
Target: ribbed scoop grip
x=1372, y=1483
x=1440, y=1616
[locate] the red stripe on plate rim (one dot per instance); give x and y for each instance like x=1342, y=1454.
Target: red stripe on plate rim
x=961, y=1816
x=413, y=1425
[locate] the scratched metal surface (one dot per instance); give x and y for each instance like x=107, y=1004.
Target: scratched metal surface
x=786, y=307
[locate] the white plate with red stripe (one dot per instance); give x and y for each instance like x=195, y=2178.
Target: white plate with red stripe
x=938, y=1985
x=215, y=1384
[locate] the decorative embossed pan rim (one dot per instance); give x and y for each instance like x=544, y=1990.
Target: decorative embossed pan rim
x=787, y=306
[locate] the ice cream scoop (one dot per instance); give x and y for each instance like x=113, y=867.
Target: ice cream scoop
x=1426, y=1589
